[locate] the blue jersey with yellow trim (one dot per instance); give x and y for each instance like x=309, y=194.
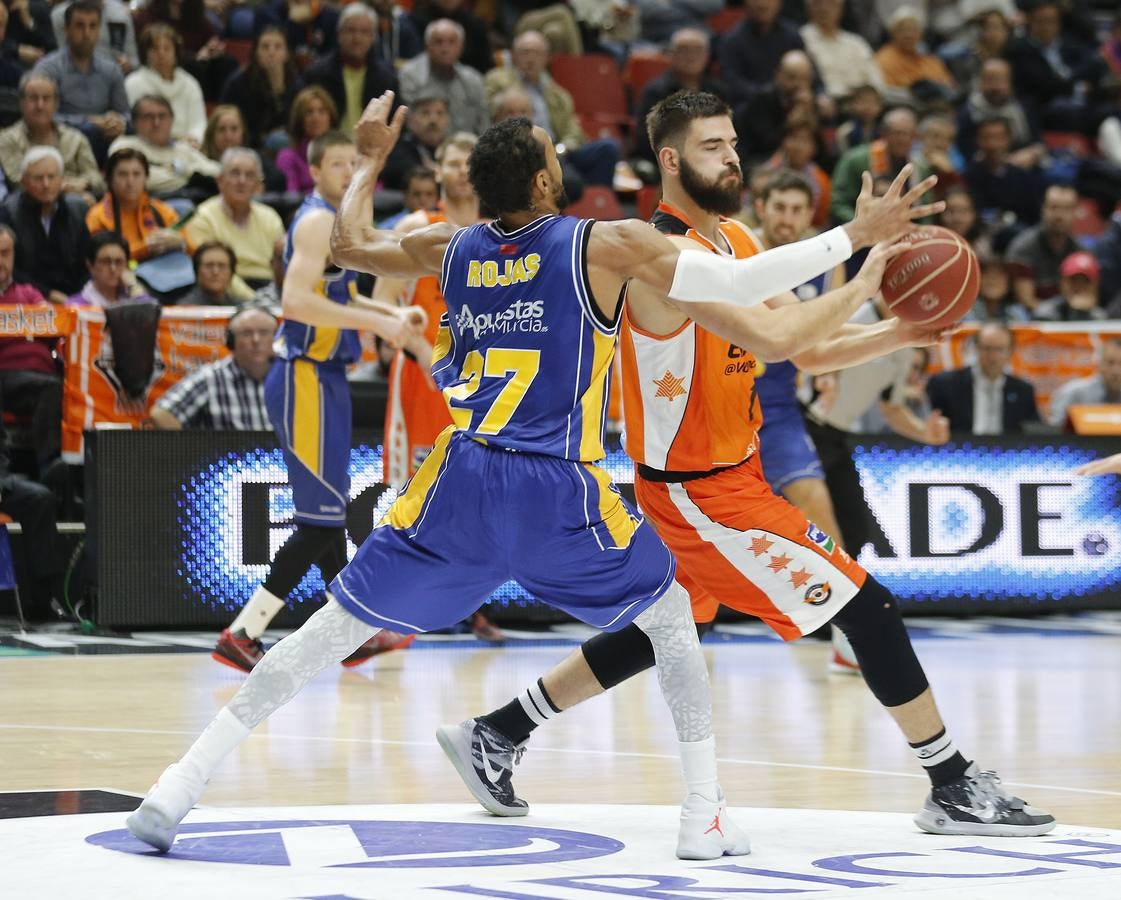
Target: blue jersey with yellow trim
x=776, y=385
x=298, y=340
x=523, y=354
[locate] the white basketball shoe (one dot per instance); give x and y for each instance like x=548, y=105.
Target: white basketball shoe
x=707, y=831
x=156, y=820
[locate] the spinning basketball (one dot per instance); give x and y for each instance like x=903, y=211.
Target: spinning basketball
x=935, y=281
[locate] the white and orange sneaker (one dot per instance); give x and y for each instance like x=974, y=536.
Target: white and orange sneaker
x=707, y=831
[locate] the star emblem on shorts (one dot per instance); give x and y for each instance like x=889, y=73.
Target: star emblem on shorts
x=760, y=545
x=799, y=578
x=778, y=563
x=669, y=386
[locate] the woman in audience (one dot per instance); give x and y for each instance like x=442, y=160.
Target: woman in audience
x=111, y=280
x=265, y=88
x=313, y=114
x=147, y=224
x=204, y=53
x=162, y=76
x=960, y=215
x=992, y=31
x=996, y=302
x=225, y=129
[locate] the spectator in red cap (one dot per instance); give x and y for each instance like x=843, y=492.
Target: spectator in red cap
x=1079, y=276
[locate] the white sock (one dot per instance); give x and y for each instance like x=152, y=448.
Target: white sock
x=215, y=743
x=698, y=762
x=257, y=613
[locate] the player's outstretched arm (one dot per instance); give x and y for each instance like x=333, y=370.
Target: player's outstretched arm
x=355, y=242
x=1111, y=465
x=301, y=301
x=631, y=249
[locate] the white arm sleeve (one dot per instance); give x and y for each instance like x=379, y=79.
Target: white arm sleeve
x=703, y=277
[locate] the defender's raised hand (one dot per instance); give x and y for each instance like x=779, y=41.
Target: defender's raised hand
x=376, y=133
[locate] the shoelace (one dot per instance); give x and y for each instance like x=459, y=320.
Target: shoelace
x=987, y=786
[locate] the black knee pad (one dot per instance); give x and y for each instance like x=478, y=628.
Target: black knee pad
x=873, y=625
x=616, y=656
x=303, y=549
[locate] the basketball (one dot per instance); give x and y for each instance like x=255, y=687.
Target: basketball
x=935, y=280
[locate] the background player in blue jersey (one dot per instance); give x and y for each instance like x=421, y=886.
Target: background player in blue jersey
x=510, y=491
x=309, y=403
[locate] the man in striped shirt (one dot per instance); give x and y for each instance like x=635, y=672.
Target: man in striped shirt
x=228, y=394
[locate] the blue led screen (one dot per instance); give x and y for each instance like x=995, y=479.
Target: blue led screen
x=187, y=524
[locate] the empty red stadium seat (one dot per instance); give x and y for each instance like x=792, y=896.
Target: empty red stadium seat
x=596, y=86
x=647, y=201
x=239, y=49
x=641, y=68
x=1087, y=220
x=1074, y=141
x=725, y=20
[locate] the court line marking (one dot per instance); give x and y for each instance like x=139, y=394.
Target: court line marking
x=614, y=753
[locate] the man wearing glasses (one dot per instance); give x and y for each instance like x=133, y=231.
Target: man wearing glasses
x=251, y=229
x=174, y=167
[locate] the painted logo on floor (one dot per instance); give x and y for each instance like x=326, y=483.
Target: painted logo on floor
x=366, y=844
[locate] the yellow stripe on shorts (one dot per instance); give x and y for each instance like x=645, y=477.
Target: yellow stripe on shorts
x=406, y=509
x=620, y=523
x=306, y=414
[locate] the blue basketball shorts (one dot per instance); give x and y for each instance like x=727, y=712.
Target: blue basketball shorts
x=476, y=516
x=309, y=407
x=786, y=450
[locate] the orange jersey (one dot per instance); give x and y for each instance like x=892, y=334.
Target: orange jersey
x=416, y=412
x=689, y=397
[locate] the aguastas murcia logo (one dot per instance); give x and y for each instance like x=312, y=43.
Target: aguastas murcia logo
x=521, y=315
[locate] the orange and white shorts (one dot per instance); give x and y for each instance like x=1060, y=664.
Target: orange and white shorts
x=415, y=414
x=739, y=545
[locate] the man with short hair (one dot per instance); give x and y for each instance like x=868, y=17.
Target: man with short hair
x=997, y=184
x=50, y=227
x=1035, y=254
x=553, y=109
x=760, y=119
x=438, y=72
x=1079, y=298
x=427, y=127
x=91, y=88
x=174, y=167
x=884, y=157
x=843, y=59
x=750, y=52
x=993, y=97
x=235, y=219
x=38, y=104
x=353, y=72
x=422, y=191
x=227, y=395
x=117, y=37
x=984, y=398
x=689, y=55
x=1104, y=386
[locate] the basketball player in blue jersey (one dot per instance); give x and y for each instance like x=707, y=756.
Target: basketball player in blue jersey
x=510, y=491
x=309, y=403
x=784, y=208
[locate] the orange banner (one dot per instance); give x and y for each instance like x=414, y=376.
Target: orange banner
x=1045, y=355
x=36, y=320
x=187, y=338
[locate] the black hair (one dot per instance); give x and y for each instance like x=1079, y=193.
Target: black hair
x=150, y=98
x=668, y=121
x=419, y=173
x=105, y=239
x=123, y=155
x=81, y=6
x=206, y=247
x=503, y=164
x=995, y=120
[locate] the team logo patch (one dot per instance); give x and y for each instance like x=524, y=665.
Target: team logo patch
x=819, y=537
x=818, y=594
x=670, y=386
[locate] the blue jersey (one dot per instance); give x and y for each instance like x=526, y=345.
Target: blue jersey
x=523, y=354
x=776, y=383
x=298, y=340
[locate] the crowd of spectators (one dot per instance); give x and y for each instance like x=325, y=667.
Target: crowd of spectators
x=153, y=151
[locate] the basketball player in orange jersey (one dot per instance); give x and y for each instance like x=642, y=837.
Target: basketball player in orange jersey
x=691, y=426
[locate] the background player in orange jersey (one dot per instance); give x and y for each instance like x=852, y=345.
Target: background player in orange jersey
x=692, y=422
